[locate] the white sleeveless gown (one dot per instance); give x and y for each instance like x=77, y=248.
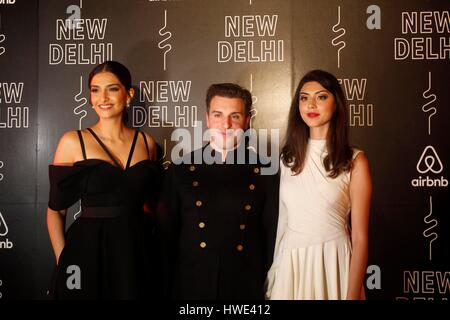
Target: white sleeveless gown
x=313, y=246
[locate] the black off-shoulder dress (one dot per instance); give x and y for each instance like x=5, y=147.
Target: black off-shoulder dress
x=109, y=251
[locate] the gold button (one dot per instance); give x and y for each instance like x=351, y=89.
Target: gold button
x=201, y=225
x=195, y=183
x=239, y=247
x=256, y=170
x=252, y=187
x=247, y=207
x=198, y=203
x=202, y=245
x=242, y=226
x=192, y=168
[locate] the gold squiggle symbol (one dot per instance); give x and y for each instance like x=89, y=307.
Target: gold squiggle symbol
x=163, y=44
x=432, y=98
x=166, y=163
x=427, y=233
x=78, y=109
x=253, y=111
x=341, y=32
x=2, y=49
x=76, y=214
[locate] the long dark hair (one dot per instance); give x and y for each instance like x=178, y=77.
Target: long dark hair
x=120, y=71
x=339, y=156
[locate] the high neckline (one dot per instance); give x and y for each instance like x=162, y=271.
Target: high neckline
x=317, y=142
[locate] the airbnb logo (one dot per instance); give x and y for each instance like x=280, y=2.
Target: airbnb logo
x=3, y=226
x=4, y=244
x=429, y=162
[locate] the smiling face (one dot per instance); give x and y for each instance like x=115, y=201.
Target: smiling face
x=317, y=106
x=227, y=120
x=108, y=95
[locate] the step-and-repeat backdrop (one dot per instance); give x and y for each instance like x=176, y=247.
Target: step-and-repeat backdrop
x=391, y=56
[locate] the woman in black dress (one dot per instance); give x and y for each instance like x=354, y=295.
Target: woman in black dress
x=106, y=253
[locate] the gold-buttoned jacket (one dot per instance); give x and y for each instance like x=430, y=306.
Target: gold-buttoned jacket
x=217, y=226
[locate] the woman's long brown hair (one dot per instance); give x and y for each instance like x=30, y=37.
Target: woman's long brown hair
x=339, y=156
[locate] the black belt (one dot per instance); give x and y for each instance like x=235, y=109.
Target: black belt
x=107, y=212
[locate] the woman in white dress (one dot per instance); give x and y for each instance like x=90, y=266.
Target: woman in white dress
x=324, y=185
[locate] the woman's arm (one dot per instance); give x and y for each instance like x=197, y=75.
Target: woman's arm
x=56, y=227
x=65, y=154
x=360, y=197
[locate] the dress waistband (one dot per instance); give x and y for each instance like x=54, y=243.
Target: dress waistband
x=295, y=239
x=107, y=212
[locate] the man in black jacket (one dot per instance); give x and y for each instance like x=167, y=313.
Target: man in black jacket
x=218, y=219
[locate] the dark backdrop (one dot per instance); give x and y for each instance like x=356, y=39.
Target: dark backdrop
x=392, y=57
